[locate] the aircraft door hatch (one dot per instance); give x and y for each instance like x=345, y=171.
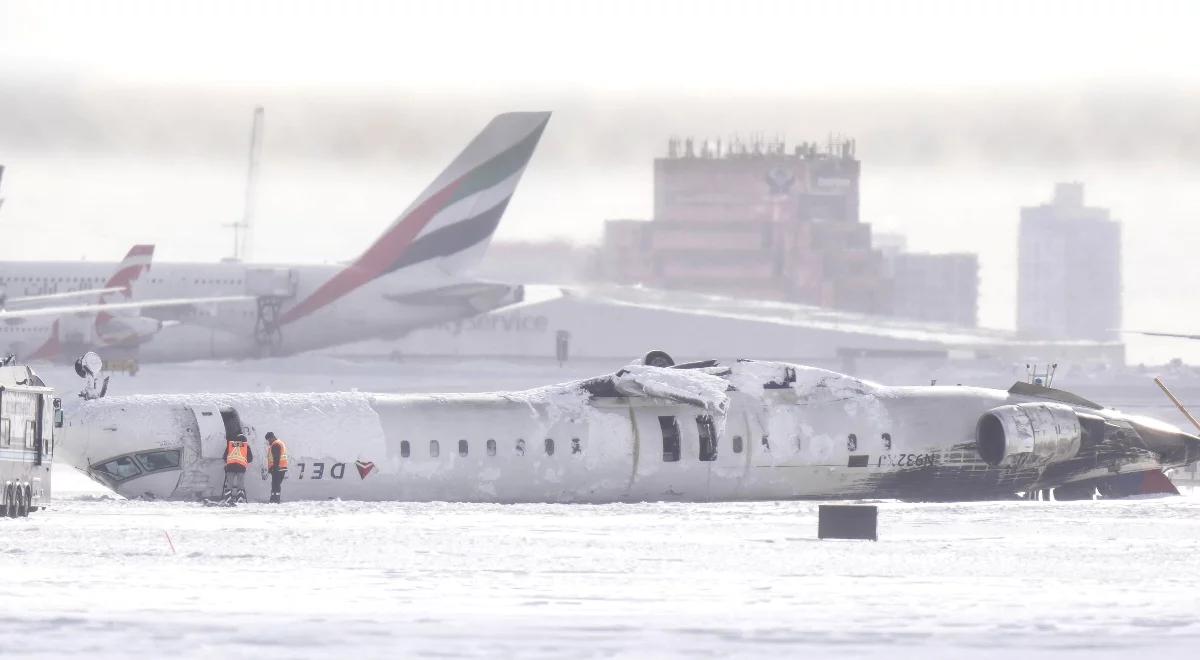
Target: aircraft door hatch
x=203, y=453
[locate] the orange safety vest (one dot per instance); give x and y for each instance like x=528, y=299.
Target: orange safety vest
x=238, y=453
x=283, y=457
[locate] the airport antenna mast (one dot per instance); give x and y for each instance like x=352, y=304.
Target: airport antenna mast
x=242, y=228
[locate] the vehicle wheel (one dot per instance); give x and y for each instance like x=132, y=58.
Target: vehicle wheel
x=10, y=506
x=26, y=501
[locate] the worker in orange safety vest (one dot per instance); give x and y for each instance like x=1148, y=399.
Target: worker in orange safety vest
x=277, y=464
x=238, y=455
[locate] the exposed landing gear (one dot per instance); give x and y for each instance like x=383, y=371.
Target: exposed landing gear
x=18, y=500
x=267, y=335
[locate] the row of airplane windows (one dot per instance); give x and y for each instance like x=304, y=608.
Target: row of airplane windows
x=671, y=439
x=22, y=328
x=31, y=280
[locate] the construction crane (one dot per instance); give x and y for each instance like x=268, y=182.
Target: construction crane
x=242, y=228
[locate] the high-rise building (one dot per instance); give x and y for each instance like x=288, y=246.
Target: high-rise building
x=1069, y=275
x=753, y=220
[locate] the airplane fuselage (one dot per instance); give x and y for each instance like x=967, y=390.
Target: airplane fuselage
x=378, y=309
x=836, y=438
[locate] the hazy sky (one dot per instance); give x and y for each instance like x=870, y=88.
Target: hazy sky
x=126, y=121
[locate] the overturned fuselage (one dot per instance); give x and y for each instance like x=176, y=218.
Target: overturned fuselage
x=707, y=432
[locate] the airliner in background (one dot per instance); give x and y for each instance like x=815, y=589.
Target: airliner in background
x=413, y=275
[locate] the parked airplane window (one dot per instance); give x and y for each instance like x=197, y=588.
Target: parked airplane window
x=549, y=446
x=852, y=442
x=434, y=449
x=159, y=460
x=887, y=440
x=404, y=449
x=737, y=444
x=491, y=447
x=670, y=436
x=708, y=438
x=462, y=448
x=119, y=468
x=576, y=448
x=520, y=447
x=766, y=442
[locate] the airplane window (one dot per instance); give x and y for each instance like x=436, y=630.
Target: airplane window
x=405, y=449
x=549, y=446
x=119, y=469
x=887, y=440
x=159, y=460
x=766, y=442
x=491, y=447
x=852, y=442
x=670, y=438
x=576, y=448
x=708, y=438
x=462, y=447
x=520, y=447
x=434, y=449
x=737, y=444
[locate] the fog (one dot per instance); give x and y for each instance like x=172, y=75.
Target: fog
x=129, y=123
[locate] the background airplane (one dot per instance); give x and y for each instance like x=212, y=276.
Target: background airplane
x=413, y=275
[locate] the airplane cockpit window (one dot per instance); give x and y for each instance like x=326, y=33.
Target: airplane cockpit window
x=737, y=444
x=852, y=442
x=434, y=449
x=119, y=469
x=153, y=461
x=405, y=449
x=670, y=438
x=549, y=446
x=462, y=448
x=766, y=442
x=576, y=447
x=708, y=438
x=520, y=447
x=491, y=447
x=887, y=440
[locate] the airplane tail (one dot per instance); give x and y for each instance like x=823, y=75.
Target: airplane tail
x=454, y=219
x=136, y=262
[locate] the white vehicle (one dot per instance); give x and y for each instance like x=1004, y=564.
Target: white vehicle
x=700, y=432
x=28, y=411
x=412, y=276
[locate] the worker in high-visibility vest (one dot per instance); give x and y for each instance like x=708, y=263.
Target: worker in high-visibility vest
x=277, y=464
x=238, y=455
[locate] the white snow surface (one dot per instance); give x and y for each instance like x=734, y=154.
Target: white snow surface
x=98, y=578
x=95, y=576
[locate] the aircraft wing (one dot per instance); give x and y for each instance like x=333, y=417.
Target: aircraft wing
x=65, y=295
x=64, y=310
x=1164, y=334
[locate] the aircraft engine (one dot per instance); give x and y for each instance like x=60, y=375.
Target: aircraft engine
x=1049, y=431
x=127, y=329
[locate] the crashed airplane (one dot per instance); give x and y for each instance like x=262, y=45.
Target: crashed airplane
x=697, y=432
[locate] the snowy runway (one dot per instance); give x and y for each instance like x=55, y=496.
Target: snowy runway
x=1094, y=579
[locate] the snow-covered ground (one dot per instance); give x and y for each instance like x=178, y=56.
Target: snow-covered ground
x=99, y=577
x=95, y=576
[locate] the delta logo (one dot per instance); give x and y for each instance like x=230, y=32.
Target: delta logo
x=364, y=468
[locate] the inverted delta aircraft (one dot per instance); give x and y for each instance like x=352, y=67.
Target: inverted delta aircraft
x=698, y=432
x=413, y=275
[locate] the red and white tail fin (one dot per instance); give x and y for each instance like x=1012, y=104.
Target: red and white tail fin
x=136, y=262
x=453, y=220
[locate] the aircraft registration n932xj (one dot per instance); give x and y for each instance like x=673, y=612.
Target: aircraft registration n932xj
x=413, y=275
x=699, y=432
